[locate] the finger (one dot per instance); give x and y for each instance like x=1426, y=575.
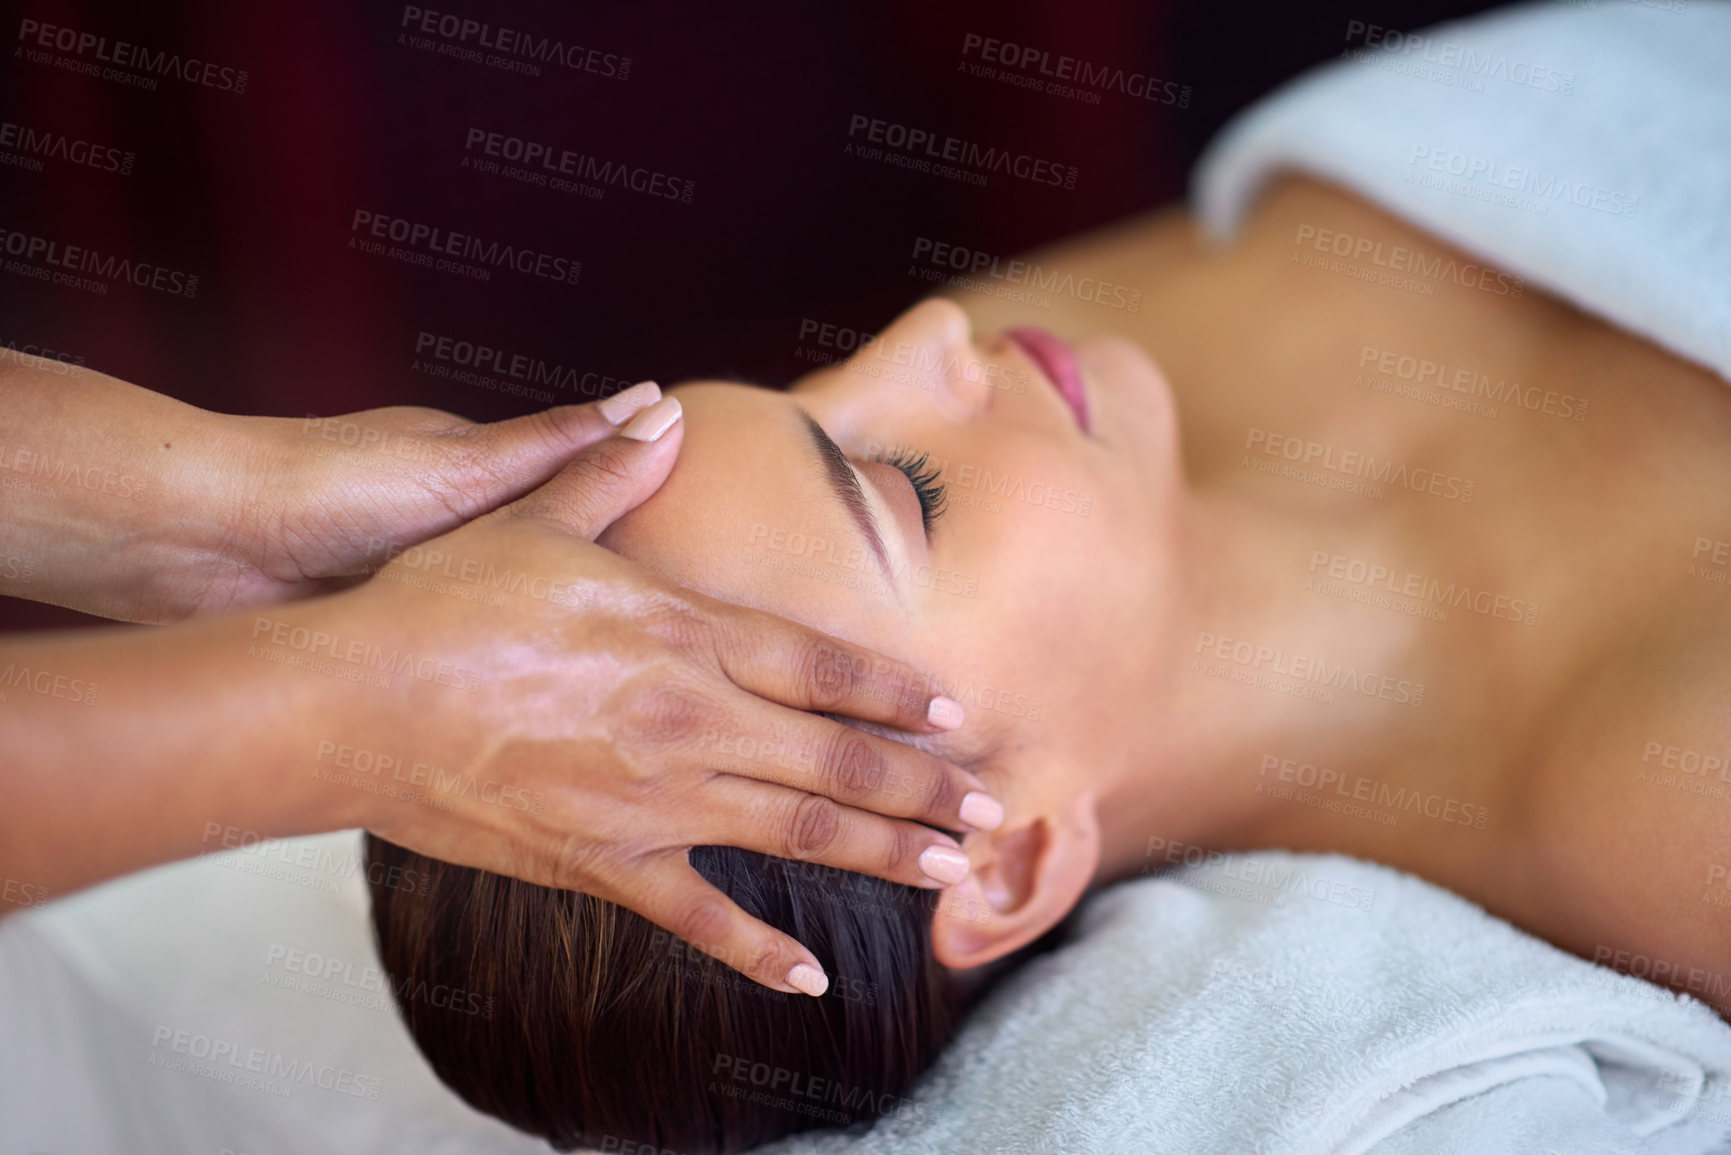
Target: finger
x=797, y=666
x=811, y=828
x=612, y=476
x=484, y=466
x=680, y=900
x=817, y=755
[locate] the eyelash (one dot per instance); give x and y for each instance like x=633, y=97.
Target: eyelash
x=923, y=476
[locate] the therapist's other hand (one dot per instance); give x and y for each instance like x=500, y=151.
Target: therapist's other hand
x=317, y=503
x=596, y=722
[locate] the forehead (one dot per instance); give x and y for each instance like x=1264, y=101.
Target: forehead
x=748, y=516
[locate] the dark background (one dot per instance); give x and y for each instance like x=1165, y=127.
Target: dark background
x=254, y=193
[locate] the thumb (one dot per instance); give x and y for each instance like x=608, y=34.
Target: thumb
x=502, y=460
x=611, y=477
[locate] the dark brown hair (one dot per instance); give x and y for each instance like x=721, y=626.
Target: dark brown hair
x=583, y=1023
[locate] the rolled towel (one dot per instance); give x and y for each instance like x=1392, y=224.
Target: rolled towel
x=1586, y=151
x=1307, y=1004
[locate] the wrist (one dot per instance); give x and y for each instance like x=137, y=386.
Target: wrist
x=118, y=502
x=334, y=757
x=211, y=491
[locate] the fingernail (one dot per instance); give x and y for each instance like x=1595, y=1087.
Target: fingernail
x=650, y=424
x=944, y=713
x=808, y=979
x=982, y=811
x=944, y=863
x=628, y=401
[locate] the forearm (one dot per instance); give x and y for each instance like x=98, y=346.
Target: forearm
x=123, y=748
x=117, y=501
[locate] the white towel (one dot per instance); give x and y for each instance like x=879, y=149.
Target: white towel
x=1279, y=1003
x=1306, y=1004
x=1587, y=151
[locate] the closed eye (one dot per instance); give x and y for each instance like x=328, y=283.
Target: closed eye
x=923, y=476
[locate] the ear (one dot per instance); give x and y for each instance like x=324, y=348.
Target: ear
x=1024, y=881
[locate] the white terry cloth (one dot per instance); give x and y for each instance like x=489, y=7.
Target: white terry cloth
x=1586, y=151
x=1266, y=1003
x=1301, y=1004
x=114, y=1004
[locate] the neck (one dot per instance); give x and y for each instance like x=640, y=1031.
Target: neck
x=1260, y=676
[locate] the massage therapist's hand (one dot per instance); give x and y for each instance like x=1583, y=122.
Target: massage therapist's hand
x=587, y=730
x=131, y=505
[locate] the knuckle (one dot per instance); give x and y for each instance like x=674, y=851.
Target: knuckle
x=606, y=464
x=906, y=843
x=664, y=716
x=856, y=765
x=815, y=827
x=829, y=674
x=912, y=695
x=469, y=479
x=766, y=960
x=942, y=794
x=704, y=924
x=576, y=863
x=682, y=626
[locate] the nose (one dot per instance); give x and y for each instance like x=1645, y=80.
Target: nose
x=934, y=342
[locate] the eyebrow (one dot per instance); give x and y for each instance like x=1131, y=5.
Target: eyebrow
x=845, y=482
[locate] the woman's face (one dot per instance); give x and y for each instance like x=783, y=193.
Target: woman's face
x=1035, y=594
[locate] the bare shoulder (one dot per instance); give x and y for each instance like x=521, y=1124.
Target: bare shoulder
x=1624, y=833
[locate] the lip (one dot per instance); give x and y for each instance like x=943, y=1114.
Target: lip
x=1058, y=361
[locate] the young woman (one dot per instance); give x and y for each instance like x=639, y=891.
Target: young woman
x=1203, y=575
